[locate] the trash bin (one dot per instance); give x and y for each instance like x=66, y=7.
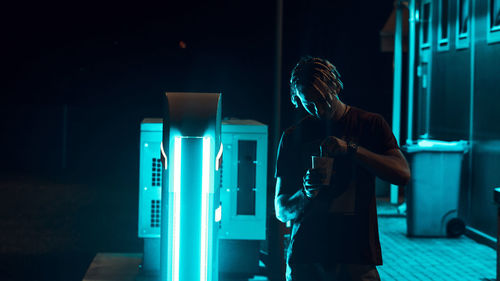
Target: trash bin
x=496, y=197
x=433, y=192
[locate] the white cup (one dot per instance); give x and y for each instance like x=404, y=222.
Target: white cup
x=325, y=165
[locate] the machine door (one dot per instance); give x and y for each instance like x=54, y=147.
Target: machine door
x=243, y=193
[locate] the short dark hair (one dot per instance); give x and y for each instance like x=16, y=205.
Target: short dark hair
x=320, y=75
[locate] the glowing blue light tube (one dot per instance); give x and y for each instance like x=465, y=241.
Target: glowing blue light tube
x=204, y=208
x=191, y=141
x=190, y=183
x=177, y=214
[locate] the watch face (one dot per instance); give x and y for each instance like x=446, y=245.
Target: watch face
x=352, y=147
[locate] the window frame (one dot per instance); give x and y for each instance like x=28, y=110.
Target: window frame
x=493, y=33
x=443, y=44
x=429, y=26
x=463, y=42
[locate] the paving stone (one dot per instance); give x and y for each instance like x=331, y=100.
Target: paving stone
x=412, y=258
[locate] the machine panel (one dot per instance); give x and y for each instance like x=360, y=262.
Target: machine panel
x=243, y=180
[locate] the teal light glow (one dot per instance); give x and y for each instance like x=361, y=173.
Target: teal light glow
x=425, y=143
x=176, y=216
x=192, y=169
x=218, y=214
x=165, y=159
x=204, y=207
x=219, y=157
x=436, y=143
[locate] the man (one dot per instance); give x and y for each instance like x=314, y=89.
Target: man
x=335, y=231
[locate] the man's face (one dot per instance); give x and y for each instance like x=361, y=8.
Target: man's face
x=314, y=104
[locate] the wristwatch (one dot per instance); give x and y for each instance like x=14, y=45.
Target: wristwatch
x=305, y=193
x=352, y=148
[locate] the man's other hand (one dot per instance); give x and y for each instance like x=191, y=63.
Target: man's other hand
x=333, y=146
x=313, y=182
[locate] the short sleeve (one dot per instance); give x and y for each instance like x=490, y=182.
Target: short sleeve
x=383, y=134
x=288, y=164
x=283, y=156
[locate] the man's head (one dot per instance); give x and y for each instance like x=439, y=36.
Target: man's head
x=316, y=83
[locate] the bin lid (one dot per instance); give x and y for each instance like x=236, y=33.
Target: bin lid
x=496, y=195
x=437, y=145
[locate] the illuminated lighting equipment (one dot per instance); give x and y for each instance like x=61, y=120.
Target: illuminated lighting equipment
x=176, y=215
x=244, y=216
x=204, y=207
x=413, y=19
x=188, y=241
x=398, y=67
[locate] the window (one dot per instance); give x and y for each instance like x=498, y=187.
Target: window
x=426, y=25
x=463, y=18
x=493, y=34
x=443, y=30
x=495, y=14
x=463, y=22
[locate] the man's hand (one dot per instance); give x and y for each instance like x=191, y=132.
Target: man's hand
x=312, y=182
x=333, y=146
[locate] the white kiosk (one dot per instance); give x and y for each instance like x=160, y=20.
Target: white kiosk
x=242, y=185
x=181, y=178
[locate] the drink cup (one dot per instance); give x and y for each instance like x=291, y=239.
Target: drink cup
x=325, y=166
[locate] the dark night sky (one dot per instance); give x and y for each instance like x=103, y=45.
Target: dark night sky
x=104, y=52
x=111, y=63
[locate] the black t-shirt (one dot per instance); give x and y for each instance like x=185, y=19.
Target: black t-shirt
x=340, y=225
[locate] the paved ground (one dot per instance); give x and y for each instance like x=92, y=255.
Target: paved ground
x=51, y=230
x=431, y=258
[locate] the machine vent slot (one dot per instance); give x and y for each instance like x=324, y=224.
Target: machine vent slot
x=156, y=172
x=155, y=213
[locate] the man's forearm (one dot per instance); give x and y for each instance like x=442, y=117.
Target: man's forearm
x=289, y=207
x=390, y=167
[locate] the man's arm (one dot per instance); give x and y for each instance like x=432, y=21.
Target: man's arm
x=289, y=200
x=288, y=206
x=390, y=166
